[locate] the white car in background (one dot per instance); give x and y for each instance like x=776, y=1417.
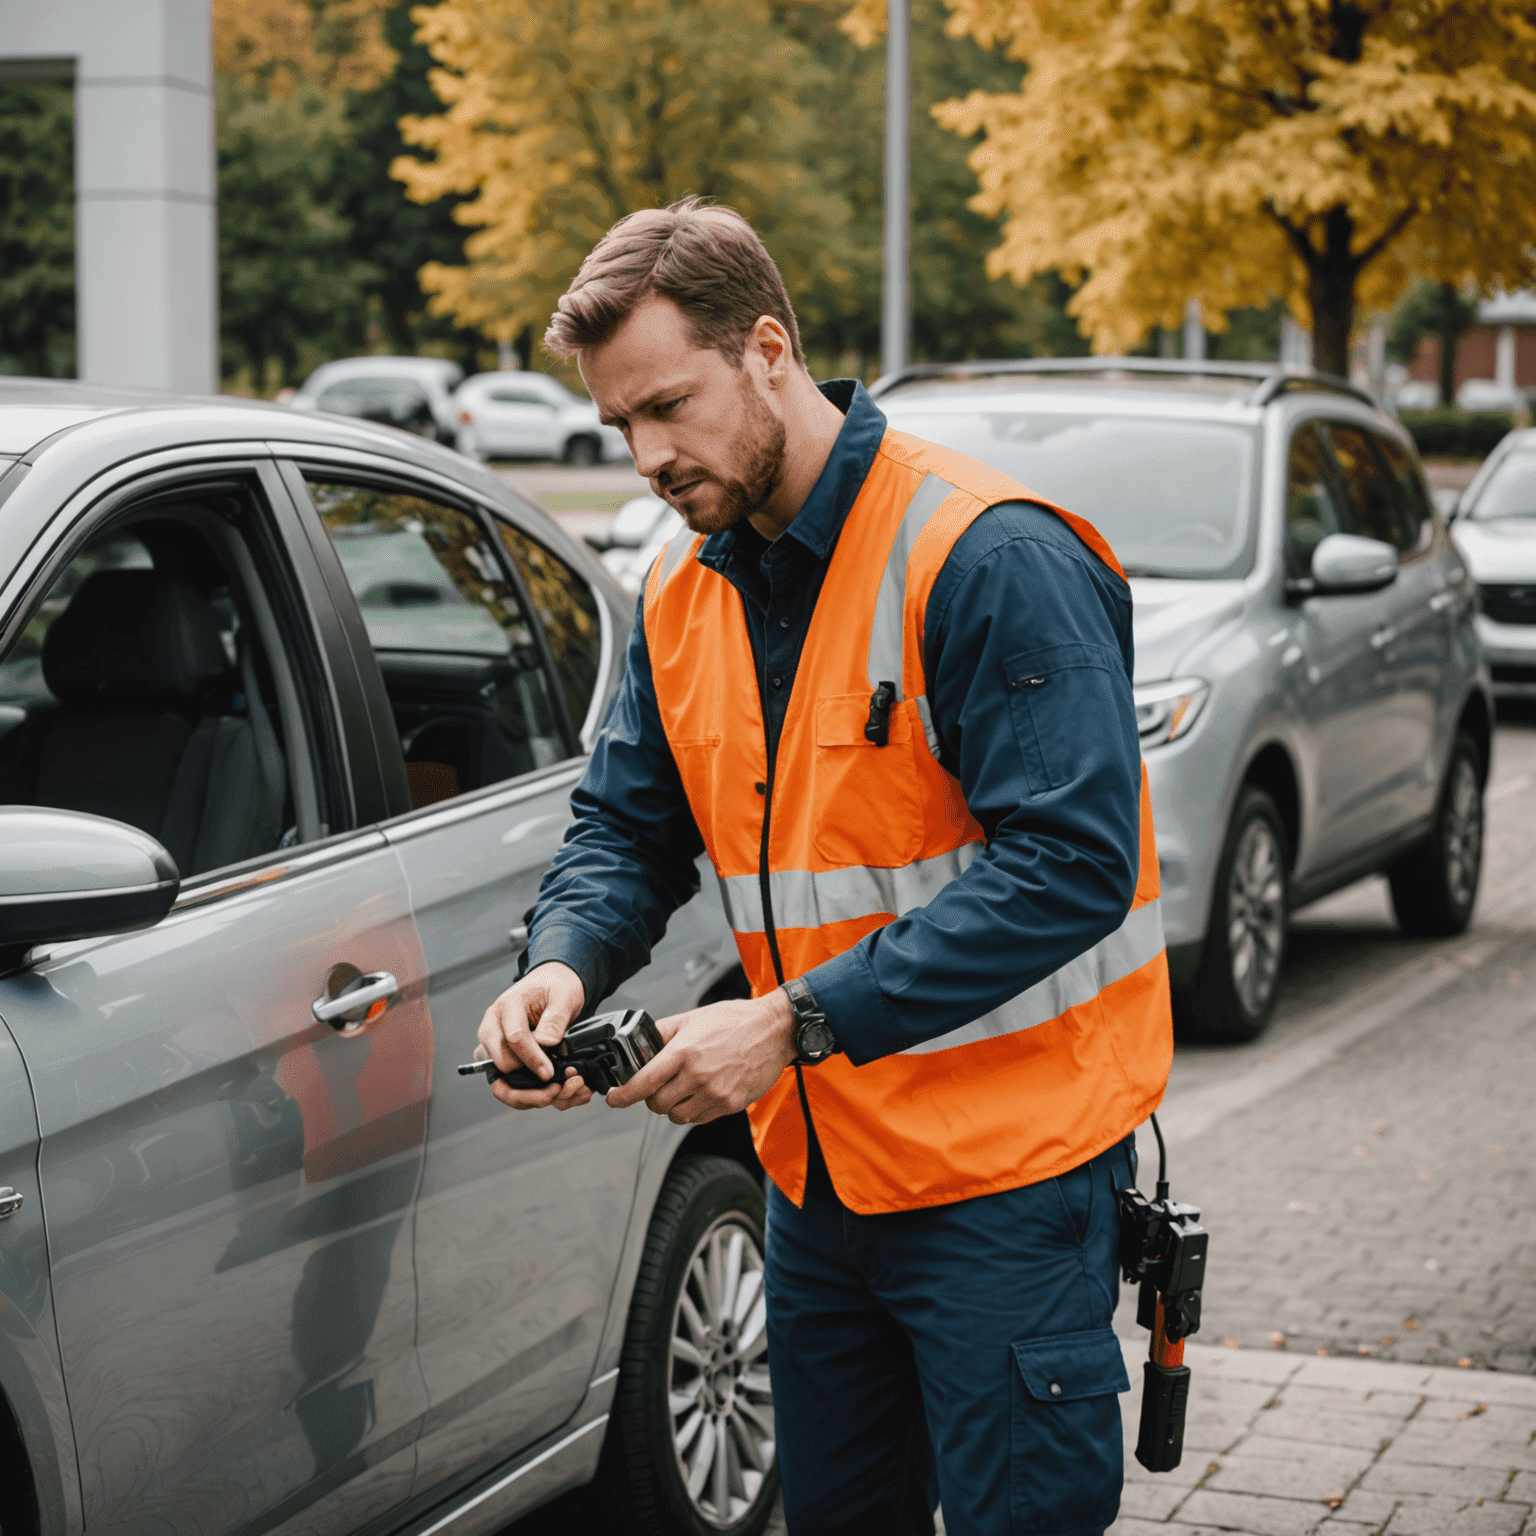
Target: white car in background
x=1495, y=529
x=644, y=527
x=412, y=393
x=523, y=415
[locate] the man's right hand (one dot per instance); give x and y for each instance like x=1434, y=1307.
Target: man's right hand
x=530, y=1014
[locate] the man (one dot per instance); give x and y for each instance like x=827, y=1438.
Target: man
x=890, y=695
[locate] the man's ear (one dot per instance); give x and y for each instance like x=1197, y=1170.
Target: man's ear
x=770, y=341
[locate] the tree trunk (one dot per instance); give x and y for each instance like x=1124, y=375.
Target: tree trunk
x=1332, y=293
x=1450, y=335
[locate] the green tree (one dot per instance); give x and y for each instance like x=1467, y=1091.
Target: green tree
x=1432, y=309
x=37, y=229
x=290, y=283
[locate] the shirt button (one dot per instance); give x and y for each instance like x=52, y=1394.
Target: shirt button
x=784, y=623
x=1055, y=1389
x=762, y=789
x=778, y=682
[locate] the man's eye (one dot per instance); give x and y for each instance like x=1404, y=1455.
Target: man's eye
x=671, y=405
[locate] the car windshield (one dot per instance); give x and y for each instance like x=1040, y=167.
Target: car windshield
x=1173, y=498
x=1510, y=491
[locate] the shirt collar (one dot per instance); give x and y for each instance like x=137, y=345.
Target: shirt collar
x=820, y=520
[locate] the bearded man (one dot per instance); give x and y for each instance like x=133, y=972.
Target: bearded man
x=889, y=693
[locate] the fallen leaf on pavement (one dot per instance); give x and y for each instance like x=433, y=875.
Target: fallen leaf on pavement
x=1319, y=1351
x=1380, y=1128
x=1471, y=1413
x=1387, y=1338
x=1230, y=1344
x=1364, y=1349
x=1212, y=1466
x=1411, y=1324
x=1278, y=1340
x=1465, y=1362
x=1333, y=1500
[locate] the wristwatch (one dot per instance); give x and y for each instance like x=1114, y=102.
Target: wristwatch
x=814, y=1040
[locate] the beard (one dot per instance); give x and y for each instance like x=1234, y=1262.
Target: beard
x=760, y=449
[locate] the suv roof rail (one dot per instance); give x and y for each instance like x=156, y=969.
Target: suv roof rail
x=1270, y=379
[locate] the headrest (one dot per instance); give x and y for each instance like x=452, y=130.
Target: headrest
x=133, y=635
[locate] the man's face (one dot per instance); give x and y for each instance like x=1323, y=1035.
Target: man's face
x=707, y=434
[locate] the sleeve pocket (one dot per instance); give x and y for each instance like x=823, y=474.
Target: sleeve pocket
x=1063, y=699
x=1068, y=1367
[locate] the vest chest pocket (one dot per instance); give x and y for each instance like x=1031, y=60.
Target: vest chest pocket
x=866, y=802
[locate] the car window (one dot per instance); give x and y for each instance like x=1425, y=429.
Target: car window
x=1371, y=495
x=1313, y=502
x=459, y=656
x=1173, y=498
x=567, y=606
x=1510, y=491
x=521, y=397
x=1414, y=505
x=164, y=679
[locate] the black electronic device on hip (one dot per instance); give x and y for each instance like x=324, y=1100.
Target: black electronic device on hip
x=606, y=1050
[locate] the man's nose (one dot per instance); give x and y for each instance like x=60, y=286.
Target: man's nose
x=652, y=449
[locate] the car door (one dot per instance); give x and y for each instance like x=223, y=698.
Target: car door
x=227, y=1180
x=1409, y=640
x=522, y=421
x=1335, y=678
x=521, y=1217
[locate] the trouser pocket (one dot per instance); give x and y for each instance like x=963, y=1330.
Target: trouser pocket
x=1066, y=1458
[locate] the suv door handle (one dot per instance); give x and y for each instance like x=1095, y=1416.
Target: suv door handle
x=1441, y=601
x=10, y=1201
x=1384, y=637
x=362, y=997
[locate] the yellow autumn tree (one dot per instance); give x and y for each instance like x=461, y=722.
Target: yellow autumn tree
x=1321, y=151
x=561, y=116
x=276, y=46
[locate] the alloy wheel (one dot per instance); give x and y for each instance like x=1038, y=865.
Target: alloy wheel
x=1256, y=915
x=1463, y=834
x=718, y=1391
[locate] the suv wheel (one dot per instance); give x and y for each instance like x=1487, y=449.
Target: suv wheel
x=1234, y=994
x=1434, y=888
x=690, y=1445
x=582, y=452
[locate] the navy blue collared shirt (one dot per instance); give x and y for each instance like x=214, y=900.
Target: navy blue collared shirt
x=1052, y=773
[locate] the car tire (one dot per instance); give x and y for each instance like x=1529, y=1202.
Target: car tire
x=708, y=1207
x=582, y=452
x=1234, y=992
x=1434, y=887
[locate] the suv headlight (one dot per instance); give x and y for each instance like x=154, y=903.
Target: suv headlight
x=1166, y=711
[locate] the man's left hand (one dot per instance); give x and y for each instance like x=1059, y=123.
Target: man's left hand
x=716, y=1060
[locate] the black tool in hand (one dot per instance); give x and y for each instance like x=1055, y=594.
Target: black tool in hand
x=606, y=1050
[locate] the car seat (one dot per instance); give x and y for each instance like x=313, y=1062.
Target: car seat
x=142, y=730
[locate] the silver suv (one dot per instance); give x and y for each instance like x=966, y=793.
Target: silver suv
x=1312, y=700
x=291, y=708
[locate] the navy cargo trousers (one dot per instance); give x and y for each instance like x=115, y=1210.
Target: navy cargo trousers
x=960, y=1354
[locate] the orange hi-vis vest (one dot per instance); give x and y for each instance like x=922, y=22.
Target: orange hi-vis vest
x=851, y=835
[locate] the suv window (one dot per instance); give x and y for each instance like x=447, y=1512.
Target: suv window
x=521, y=397
x=568, y=608
x=160, y=681
x=1313, y=505
x=1372, y=494
x=1413, y=504
x=460, y=659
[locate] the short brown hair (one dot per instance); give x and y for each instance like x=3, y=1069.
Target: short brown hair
x=706, y=259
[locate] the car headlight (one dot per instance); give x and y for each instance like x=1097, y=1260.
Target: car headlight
x=1166, y=711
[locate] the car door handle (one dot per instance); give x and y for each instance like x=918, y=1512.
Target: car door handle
x=1384, y=637
x=1441, y=601
x=10, y=1201
x=363, y=998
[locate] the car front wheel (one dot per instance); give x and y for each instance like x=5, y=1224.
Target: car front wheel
x=582, y=452
x=1234, y=994
x=1434, y=888
x=690, y=1448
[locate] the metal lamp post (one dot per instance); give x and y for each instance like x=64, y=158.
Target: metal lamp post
x=896, y=309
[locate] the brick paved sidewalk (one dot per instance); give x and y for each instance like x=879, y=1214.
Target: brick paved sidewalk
x=1287, y=1445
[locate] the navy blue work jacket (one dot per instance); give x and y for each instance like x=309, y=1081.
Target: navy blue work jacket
x=1062, y=817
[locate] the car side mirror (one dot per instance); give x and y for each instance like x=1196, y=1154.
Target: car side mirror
x=67, y=875
x=1345, y=563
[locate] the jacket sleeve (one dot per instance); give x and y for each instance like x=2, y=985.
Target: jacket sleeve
x=1051, y=770
x=628, y=861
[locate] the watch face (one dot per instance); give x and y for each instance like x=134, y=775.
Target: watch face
x=815, y=1040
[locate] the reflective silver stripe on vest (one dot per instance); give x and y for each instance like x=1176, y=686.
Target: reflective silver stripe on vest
x=804, y=898
x=1138, y=940
x=926, y=716
x=885, y=636
x=672, y=555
